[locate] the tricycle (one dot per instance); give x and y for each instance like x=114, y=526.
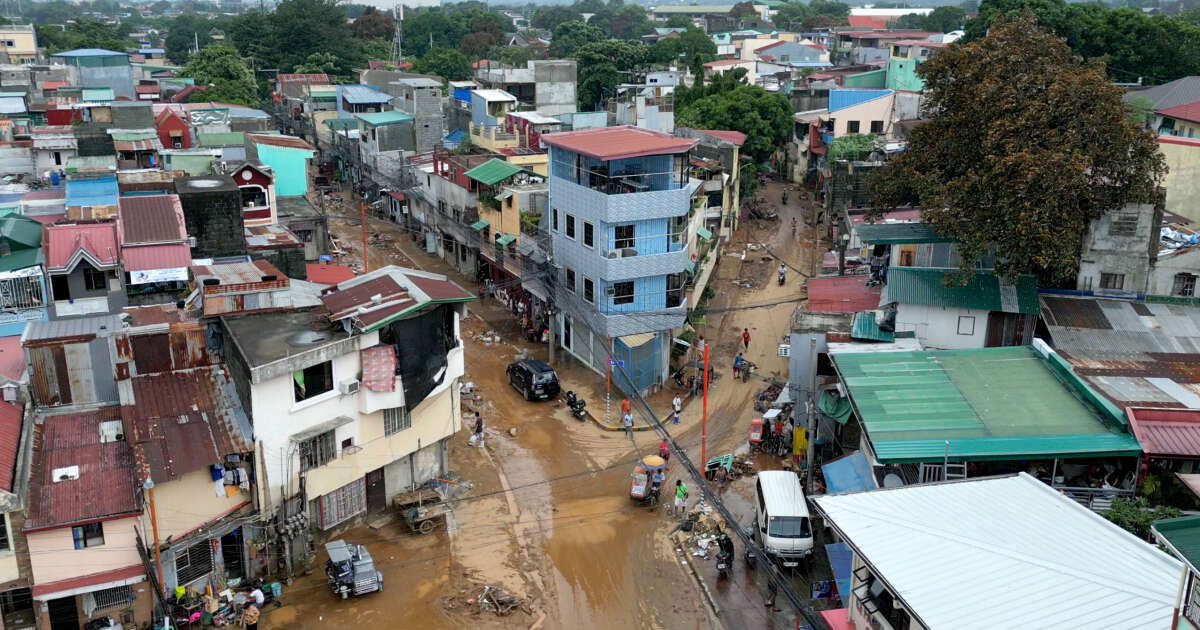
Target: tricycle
x=350, y=570
x=423, y=519
x=642, y=488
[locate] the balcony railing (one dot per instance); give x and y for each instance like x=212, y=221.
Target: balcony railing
x=624, y=182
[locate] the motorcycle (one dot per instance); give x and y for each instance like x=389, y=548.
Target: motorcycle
x=746, y=369
x=724, y=556
x=576, y=404
x=782, y=277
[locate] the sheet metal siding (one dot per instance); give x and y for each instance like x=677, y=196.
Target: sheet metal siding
x=43, y=377
x=151, y=353
x=103, y=380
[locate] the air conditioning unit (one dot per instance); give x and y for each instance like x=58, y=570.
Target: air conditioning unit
x=10, y=392
x=349, y=387
x=191, y=241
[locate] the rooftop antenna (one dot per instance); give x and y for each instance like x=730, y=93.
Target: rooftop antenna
x=397, y=57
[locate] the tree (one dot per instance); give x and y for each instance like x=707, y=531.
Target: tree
x=373, y=24
x=945, y=19
x=1136, y=515
x=678, y=21
x=729, y=103
x=421, y=27
x=550, y=17
x=829, y=8
x=83, y=33
x=743, y=9
x=515, y=56
x=909, y=20
x=790, y=13
x=183, y=34
x=318, y=63
x=569, y=36
x=630, y=22
x=447, y=63
x=227, y=78
x=476, y=45
x=601, y=65
x=1025, y=145
x=303, y=27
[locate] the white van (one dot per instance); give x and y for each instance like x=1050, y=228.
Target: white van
x=782, y=525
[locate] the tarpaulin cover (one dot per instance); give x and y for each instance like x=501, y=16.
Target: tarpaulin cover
x=840, y=559
x=421, y=343
x=848, y=474
x=835, y=406
x=379, y=369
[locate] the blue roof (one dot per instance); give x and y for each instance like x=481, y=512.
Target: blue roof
x=455, y=136
x=92, y=192
x=848, y=474
x=843, y=98
x=151, y=51
x=89, y=52
x=363, y=95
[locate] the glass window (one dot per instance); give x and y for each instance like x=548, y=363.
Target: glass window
x=589, y=290
x=313, y=380
x=317, y=451
x=396, y=420
x=624, y=236
x=570, y=226
x=93, y=279
x=1185, y=285
x=876, y=126
x=90, y=535
x=1112, y=281
x=554, y=220
x=623, y=293
x=852, y=126
x=788, y=527
x=4, y=542
x=589, y=234
x=570, y=279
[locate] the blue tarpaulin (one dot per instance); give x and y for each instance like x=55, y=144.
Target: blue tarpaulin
x=840, y=560
x=848, y=474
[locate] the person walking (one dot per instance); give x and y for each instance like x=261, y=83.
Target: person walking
x=627, y=424
x=250, y=617
x=681, y=495
x=738, y=363
x=676, y=407
x=746, y=338
x=477, y=435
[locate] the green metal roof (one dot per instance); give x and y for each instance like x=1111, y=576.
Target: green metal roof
x=221, y=139
x=21, y=230
x=77, y=163
x=505, y=239
x=22, y=258
x=493, y=171
x=690, y=267
x=341, y=124
x=989, y=404
x=703, y=233
x=984, y=291
x=864, y=327
x=1182, y=536
x=479, y=225
x=897, y=233
x=133, y=136
x=384, y=118
x=97, y=94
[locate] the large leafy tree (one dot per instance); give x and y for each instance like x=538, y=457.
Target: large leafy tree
x=728, y=102
x=183, y=33
x=945, y=19
x=550, y=17
x=84, y=33
x=630, y=22
x=226, y=77
x=1025, y=144
x=373, y=24
x=602, y=66
x=447, y=63
x=690, y=45
x=570, y=36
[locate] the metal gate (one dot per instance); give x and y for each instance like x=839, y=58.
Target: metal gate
x=642, y=359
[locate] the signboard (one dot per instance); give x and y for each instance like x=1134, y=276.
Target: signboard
x=147, y=276
x=616, y=363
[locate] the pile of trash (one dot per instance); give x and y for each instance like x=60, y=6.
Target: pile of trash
x=479, y=599
x=490, y=336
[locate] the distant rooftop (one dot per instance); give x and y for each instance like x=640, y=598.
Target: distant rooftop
x=618, y=143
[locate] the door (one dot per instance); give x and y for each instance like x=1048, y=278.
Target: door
x=63, y=615
x=376, y=494
x=231, y=554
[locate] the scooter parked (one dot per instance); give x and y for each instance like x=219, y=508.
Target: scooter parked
x=577, y=405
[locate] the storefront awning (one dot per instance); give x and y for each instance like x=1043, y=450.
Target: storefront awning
x=505, y=239
x=479, y=225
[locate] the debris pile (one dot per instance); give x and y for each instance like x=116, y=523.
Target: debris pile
x=478, y=599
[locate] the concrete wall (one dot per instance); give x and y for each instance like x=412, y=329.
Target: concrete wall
x=1183, y=175
x=119, y=78
x=555, y=82
x=902, y=75
x=878, y=109
x=290, y=166
x=1104, y=251
x=10, y=569
x=189, y=502
x=1162, y=277
x=290, y=262
x=54, y=556
x=938, y=327
x=83, y=299
x=44, y=159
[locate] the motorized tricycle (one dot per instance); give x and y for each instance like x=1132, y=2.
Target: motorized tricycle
x=642, y=488
x=350, y=570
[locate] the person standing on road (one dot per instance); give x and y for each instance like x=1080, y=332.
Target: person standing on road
x=250, y=617
x=477, y=435
x=681, y=495
x=676, y=407
x=738, y=363
x=627, y=417
x=746, y=338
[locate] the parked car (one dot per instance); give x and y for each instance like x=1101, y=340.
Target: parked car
x=534, y=379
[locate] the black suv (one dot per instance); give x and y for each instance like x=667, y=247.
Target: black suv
x=534, y=379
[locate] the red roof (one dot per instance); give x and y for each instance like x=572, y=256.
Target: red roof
x=735, y=137
x=10, y=438
x=1192, y=142
x=288, y=142
x=726, y=62
x=328, y=274
x=104, y=488
x=442, y=289
x=344, y=302
x=1166, y=432
x=315, y=78
x=399, y=290
x=838, y=619
x=150, y=219
x=1188, y=111
x=54, y=85
x=146, y=257
x=396, y=194
x=93, y=579
x=66, y=243
x=12, y=358
x=886, y=34
x=146, y=89
x=842, y=294
x=187, y=91
x=618, y=143
x=868, y=21
x=46, y=194
x=48, y=219
x=919, y=42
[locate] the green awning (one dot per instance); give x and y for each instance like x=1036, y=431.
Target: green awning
x=505, y=239
x=493, y=172
x=703, y=233
x=835, y=406
x=479, y=225
x=133, y=136
x=691, y=267
x=865, y=327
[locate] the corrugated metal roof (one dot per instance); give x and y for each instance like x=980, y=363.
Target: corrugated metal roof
x=150, y=219
x=363, y=95
x=493, y=171
x=841, y=294
x=90, y=52
x=843, y=98
x=287, y=142
x=101, y=191
x=147, y=257
x=328, y=274
x=66, y=244
x=984, y=291
x=616, y=143
x=865, y=327
x=104, y=488
x=1005, y=552
x=10, y=439
x=402, y=291
x=97, y=95
x=1166, y=432
x=84, y=327
x=227, y=139
x=993, y=403
x=1181, y=536
x=12, y=358
x=270, y=237
x=898, y=233
x=384, y=118
x=85, y=163
x=152, y=144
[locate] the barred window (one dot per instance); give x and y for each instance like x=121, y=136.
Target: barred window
x=396, y=420
x=112, y=597
x=193, y=563
x=317, y=451
x=343, y=504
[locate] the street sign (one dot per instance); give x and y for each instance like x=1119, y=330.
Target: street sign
x=616, y=363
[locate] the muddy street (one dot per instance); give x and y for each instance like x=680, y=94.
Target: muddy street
x=544, y=511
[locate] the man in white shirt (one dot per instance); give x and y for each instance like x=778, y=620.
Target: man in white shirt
x=676, y=407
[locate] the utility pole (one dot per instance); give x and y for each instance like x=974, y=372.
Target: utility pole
x=608, y=386
x=148, y=485
x=704, y=417
x=362, y=210
x=810, y=409
x=397, y=44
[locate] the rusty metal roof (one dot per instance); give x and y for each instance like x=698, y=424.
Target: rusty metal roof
x=270, y=237
x=150, y=219
x=10, y=440
x=185, y=420
x=287, y=142
x=375, y=298
x=104, y=488
x=238, y=272
x=82, y=328
x=345, y=302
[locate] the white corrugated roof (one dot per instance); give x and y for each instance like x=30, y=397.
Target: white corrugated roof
x=495, y=95
x=1005, y=552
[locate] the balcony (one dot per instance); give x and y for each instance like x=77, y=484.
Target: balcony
x=493, y=137
x=621, y=177
x=626, y=263
x=596, y=205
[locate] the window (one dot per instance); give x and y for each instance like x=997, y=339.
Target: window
x=570, y=279
x=317, y=451
x=1123, y=224
x=94, y=280
x=589, y=234
x=396, y=420
x=570, y=226
x=90, y=535
x=589, y=290
x=60, y=286
x=852, y=126
x=305, y=236
x=4, y=543
x=623, y=293
x=58, y=158
x=193, y=563
x=623, y=236
x=876, y=126
x=966, y=325
x=111, y=597
x=554, y=220
x=1112, y=281
x=1185, y=285
x=343, y=504
x=313, y=380
x=347, y=443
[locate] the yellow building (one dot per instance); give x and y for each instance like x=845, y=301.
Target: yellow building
x=19, y=42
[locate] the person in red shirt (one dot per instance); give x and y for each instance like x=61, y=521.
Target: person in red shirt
x=746, y=337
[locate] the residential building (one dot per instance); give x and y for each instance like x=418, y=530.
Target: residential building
x=83, y=265
x=1119, y=249
x=455, y=197
x=88, y=199
x=23, y=296
x=98, y=68
x=307, y=223
x=360, y=99
x=928, y=556
x=906, y=56
x=1182, y=180
x=1179, y=537
x=545, y=85
x=297, y=103
x=1176, y=96
x=489, y=110
x=155, y=254
x=16, y=603
x=421, y=98
x=288, y=157
x=213, y=215
x=256, y=182
x=345, y=418
x=46, y=205
x=53, y=146
x=650, y=105
x=874, y=46
x=18, y=44
x=384, y=138
x=798, y=54
x=878, y=19
x=620, y=211
x=173, y=130
x=717, y=160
